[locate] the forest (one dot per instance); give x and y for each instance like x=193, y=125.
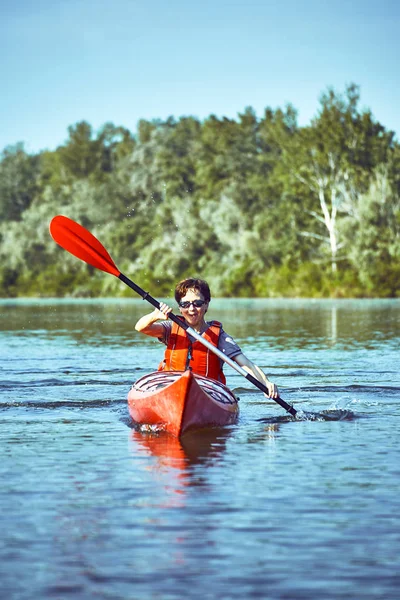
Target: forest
x=257, y=206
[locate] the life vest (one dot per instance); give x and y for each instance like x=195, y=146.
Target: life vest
x=181, y=353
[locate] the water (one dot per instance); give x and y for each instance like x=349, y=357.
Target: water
x=268, y=508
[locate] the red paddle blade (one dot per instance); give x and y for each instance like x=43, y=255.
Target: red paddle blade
x=81, y=243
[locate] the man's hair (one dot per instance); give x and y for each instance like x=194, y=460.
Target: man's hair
x=192, y=283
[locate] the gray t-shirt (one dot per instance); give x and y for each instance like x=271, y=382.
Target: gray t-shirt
x=226, y=344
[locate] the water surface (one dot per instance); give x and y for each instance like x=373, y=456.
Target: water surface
x=268, y=508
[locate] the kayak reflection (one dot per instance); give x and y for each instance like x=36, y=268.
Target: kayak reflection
x=195, y=447
x=177, y=460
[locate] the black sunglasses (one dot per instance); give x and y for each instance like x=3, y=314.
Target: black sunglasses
x=196, y=303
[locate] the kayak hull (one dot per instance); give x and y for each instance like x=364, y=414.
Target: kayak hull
x=178, y=401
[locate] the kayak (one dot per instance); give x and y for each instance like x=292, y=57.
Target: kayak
x=177, y=401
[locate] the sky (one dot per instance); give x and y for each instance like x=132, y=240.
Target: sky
x=119, y=61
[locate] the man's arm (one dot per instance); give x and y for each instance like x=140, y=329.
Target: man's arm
x=251, y=368
x=148, y=323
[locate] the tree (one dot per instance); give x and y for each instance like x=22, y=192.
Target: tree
x=227, y=158
x=116, y=143
x=331, y=162
x=375, y=242
x=19, y=173
x=82, y=154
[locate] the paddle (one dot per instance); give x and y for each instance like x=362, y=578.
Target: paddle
x=81, y=243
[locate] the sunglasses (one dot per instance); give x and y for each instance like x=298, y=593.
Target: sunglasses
x=196, y=303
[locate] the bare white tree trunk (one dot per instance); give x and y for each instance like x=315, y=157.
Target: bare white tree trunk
x=335, y=185
x=330, y=223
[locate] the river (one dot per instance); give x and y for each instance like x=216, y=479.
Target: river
x=271, y=507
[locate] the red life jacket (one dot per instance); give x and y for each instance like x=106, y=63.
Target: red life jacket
x=182, y=354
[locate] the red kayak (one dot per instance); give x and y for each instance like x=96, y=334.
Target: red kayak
x=176, y=401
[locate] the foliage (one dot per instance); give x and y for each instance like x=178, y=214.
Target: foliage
x=330, y=164
x=18, y=181
x=257, y=206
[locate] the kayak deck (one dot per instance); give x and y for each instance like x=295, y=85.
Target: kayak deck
x=177, y=401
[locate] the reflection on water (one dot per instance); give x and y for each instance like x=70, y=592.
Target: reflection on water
x=176, y=459
x=333, y=325
x=285, y=323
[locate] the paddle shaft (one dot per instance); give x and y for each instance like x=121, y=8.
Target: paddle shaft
x=146, y=296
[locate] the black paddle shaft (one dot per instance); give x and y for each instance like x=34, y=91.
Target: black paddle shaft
x=146, y=296
x=290, y=409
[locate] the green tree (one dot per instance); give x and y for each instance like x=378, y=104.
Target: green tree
x=81, y=154
x=115, y=144
x=228, y=159
x=329, y=163
x=375, y=247
x=19, y=181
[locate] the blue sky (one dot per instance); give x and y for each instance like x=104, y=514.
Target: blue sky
x=119, y=61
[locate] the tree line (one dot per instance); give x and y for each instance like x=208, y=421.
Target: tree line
x=258, y=206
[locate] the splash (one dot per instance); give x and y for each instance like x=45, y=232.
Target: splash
x=147, y=428
x=332, y=414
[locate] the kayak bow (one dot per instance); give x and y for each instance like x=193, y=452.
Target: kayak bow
x=176, y=401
